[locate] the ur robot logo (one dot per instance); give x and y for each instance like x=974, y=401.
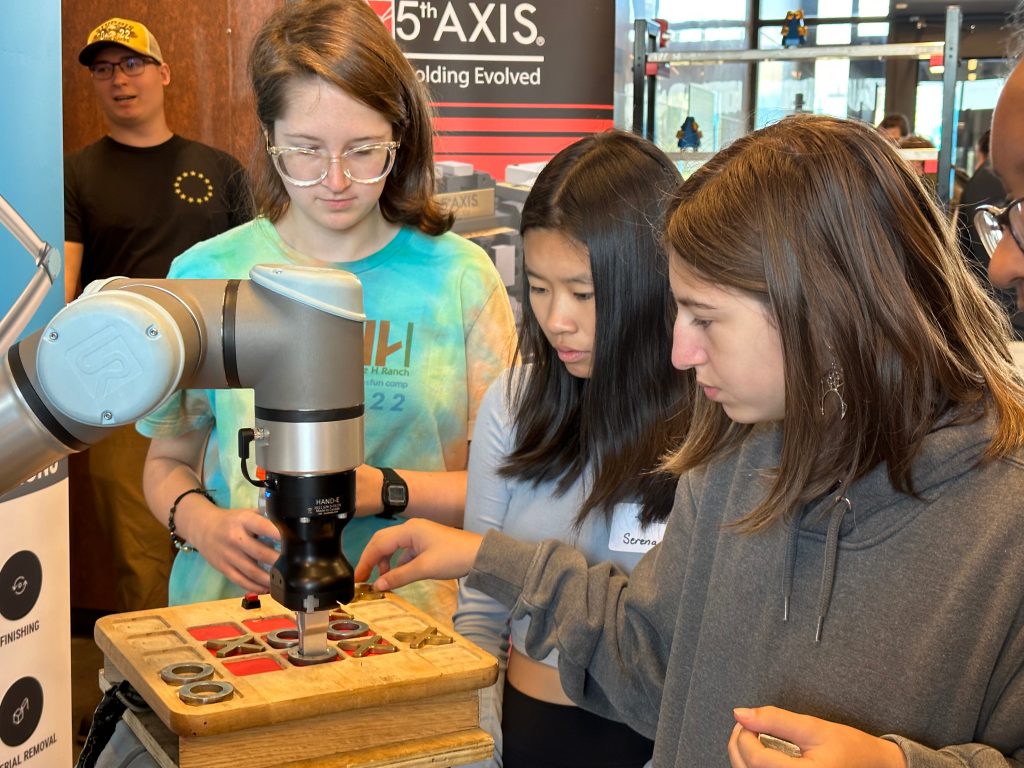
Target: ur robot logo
x=105, y=363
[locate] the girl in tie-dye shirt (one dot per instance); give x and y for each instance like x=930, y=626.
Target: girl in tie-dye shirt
x=346, y=181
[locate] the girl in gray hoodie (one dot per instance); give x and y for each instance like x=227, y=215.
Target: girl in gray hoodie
x=842, y=568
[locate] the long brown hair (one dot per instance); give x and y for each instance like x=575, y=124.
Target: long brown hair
x=822, y=221
x=345, y=44
x=608, y=192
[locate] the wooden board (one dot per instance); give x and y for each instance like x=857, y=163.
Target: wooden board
x=357, y=703
x=456, y=748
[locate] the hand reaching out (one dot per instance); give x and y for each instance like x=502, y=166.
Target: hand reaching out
x=430, y=551
x=228, y=540
x=823, y=743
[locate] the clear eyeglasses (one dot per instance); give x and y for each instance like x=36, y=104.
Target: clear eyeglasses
x=133, y=66
x=990, y=222
x=304, y=167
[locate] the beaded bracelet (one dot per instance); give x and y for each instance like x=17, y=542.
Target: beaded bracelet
x=176, y=540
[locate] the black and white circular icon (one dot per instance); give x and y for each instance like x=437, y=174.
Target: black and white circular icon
x=21, y=578
x=20, y=710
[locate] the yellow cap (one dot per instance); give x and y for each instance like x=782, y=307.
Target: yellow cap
x=129, y=34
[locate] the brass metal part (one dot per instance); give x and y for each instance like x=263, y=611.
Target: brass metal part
x=201, y=692
x=186, y=672
x=366, y=592
x=428, y=636
x=370, y=644
x=234, y=646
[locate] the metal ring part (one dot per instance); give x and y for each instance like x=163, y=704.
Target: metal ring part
x=206, y=692
x=343, y=629
x=283, y=638
x=301, y=660
x=186, y=672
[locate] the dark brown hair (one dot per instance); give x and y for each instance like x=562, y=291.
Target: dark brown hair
x=607, y=192
x=896, y=120
x=822, y=221
x=344, y=43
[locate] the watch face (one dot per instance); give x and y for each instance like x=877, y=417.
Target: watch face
x=396, y=495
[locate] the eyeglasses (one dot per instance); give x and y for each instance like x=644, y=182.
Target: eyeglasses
x=133, y=66
x=304, y=167
x=990, y=222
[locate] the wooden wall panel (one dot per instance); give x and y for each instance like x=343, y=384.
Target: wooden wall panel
x=205, y=42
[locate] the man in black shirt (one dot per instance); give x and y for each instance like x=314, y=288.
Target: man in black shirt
x=133, y=201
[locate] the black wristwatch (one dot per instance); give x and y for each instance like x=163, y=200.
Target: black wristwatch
x=394, y=493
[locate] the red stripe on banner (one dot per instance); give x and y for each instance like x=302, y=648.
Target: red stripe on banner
x=523, y=125
x=494, y=144
x=608, y=107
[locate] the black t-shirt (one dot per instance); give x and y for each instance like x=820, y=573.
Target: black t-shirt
x=135, y=208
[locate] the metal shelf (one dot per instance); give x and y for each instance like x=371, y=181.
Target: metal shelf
x=646, y=60
x=879, y=51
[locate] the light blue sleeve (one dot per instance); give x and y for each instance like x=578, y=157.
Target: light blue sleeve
x=479, y=617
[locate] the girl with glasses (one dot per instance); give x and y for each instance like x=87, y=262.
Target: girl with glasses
x=568, y=445
x=346, y=180
x=840, y=576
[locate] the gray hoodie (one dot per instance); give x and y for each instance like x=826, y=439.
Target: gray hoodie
x=905, y=615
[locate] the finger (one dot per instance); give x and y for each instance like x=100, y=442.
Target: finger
x=773, y=722
x=249, y=585
x=735, y=758
x=400, y=575
x=778, y=722
x=261, y=526
x=257, y=551
x=255, y=575
x=758, y=755
x=379, y=549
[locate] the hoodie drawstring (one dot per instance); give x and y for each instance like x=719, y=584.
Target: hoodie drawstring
x=828, y=572
x=790, y=565
x=840, y=507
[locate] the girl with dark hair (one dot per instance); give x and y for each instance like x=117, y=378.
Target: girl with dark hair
x=846, y=546
x=550, y=458
x=345, y=179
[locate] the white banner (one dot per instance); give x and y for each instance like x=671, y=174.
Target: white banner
x=35, y=623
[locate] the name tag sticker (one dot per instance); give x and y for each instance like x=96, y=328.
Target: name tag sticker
x=627, y=535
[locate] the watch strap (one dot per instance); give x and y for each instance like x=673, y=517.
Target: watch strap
x=394, y=494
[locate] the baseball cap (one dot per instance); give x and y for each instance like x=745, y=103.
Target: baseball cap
x=132, y=35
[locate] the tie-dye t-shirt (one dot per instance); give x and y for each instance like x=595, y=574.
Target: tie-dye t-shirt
x=438, y=331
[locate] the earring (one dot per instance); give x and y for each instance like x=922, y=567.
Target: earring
x=832, y=384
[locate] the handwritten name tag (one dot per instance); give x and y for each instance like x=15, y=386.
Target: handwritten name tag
x=627, y=535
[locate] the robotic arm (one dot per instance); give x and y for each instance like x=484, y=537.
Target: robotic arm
x=292, y=334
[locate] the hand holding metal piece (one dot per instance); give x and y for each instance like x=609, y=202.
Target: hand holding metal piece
x=48, y=263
